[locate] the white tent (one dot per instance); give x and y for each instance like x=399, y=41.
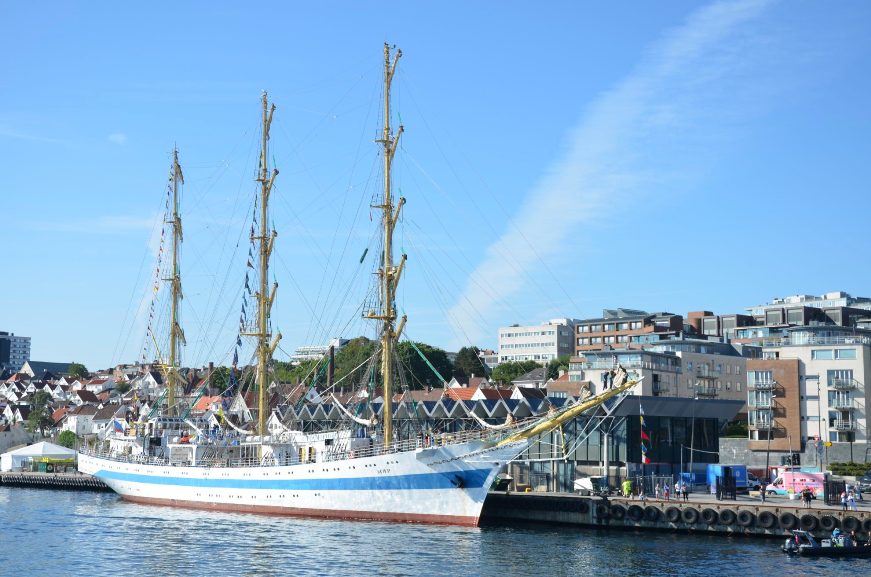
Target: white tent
x=20, y=457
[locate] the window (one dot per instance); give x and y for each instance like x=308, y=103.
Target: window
x=845, y=353
x=609, y=327
x=635, y=324
x=822, y=354
x=622, y=326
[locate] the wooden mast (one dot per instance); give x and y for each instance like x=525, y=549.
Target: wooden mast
x=266, y=240
x=389, y=274
x=176, y=335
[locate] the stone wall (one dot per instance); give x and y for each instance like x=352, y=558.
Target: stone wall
x=736, y=451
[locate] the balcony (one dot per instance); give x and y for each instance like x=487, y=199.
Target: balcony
x=842, y=404
x=762, y=403
x=707, y=392
x=844, y=425
x=843, y=384
x=761, y=425
x=659, y=388
x=761, y=385
x=707, y=373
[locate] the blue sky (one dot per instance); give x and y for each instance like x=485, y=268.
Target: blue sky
x=559, y=158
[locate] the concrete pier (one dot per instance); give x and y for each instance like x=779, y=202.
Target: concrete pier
x=67, y=481
x=700, y=515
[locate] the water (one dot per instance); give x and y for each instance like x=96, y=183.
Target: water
x=61, y=533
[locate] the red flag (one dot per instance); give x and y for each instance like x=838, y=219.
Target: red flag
x=644, y=435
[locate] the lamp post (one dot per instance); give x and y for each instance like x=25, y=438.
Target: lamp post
x=693, y=439
x=768, y=450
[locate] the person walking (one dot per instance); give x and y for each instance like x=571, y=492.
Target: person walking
x=666, y=492
x=657, y=492
x=685, y=491
x=806, y=497
x=851, y=501
x=843, y=500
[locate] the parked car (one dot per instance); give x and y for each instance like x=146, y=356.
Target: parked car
x=864, y=483
x=753, y=482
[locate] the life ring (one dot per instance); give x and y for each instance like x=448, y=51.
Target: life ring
x=710, y=516
x=828, y=522
x=746, y=518
x=635, y=513
x=727, y=517
x=788, y=521
x=618, y=512
x=809, y=522
x=866, y=525
x=672, y=514
x=851, y=523
x=652, y=513
x=766, y=519
x=602, y=511
x=690, y=515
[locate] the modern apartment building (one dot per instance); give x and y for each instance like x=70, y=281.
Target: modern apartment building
x=774, y=399
x=834, y=367
x=624, y=328
x=312, y=352
x=835, y=308
x=710, y=369
x=540, y=343
x=14, y=352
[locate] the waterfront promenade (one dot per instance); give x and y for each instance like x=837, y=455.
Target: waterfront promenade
x=702, y=513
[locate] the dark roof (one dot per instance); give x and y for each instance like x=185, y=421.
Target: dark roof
x=40, y=367
x=87, y=396
x=536, y=374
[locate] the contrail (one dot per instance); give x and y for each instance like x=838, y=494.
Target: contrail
x=594, y=175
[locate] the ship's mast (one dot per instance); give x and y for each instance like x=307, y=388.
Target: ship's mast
x=176, y=335
x=389, y=274
x=266, y=240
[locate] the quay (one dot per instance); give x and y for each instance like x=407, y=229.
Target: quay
x=65, y=481
x=703, y=514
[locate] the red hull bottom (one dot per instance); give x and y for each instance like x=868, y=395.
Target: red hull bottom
x=313, y=513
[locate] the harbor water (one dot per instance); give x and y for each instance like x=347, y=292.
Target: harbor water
x=61, y=533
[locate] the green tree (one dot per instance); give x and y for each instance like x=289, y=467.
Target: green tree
x=418, y=375
x=468, y=363
x=352, y=355
x=78, y=370
x=507, y=372
x=39, y=418
x=122, y=387
x=67, y=439
x=556, y=365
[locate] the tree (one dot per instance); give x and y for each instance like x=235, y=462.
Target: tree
x=555, y=365
x=507, y=372
x=417, y=373
x=122, y=387
x=78, y=370
x=40, y=413
x=469, y=363
x=67, y=439
x=220, y=378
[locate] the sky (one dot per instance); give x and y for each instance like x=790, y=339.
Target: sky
x=557, y=158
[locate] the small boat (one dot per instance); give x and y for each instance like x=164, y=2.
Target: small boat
x=840, y=545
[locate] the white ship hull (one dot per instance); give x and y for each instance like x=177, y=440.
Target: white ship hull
x=445, y=485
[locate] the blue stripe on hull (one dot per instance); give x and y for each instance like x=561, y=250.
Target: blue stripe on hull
x=469, y=479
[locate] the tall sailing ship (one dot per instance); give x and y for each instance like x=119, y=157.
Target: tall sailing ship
x=335, y=474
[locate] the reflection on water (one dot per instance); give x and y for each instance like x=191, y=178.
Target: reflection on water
x=93, y=534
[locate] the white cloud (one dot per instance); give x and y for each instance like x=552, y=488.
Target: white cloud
x=597, y=173
x=118, y=138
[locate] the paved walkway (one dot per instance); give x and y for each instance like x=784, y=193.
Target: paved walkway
x=753, y=499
